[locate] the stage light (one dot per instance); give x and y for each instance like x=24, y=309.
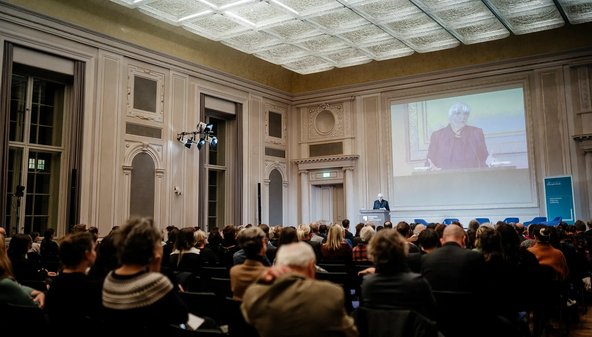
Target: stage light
x=201, y=143
x=207, y=136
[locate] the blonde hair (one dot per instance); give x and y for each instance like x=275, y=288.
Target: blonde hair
x=200, y=237
x=335, y=237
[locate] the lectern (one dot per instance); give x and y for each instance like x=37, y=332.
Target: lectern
x=377, y=216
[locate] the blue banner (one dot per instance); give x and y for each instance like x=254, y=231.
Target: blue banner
x=559, y=198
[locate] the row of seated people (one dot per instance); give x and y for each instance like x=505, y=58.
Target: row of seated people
x=135, y=294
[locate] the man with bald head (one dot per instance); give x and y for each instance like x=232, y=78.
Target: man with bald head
x=452, y=267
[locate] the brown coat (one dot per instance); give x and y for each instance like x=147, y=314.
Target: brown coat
x=294, y=305
x=242, y=275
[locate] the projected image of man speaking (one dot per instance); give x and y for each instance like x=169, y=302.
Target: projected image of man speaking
x=457, y=145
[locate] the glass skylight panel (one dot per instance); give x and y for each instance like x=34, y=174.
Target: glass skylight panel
x=252, y=41
x=309, y=65
x=174, y=11
x=215, y=27
x=388, y=49
x=577, y=11
x=306, y=7
x=365, y=35
x=293, y=30
x=348, y=57
x=535, y=20
x=385, y=10
x=259, y=14
x=224, y=4
x=338, y=20
x=282, y=53
x=322, y=43
x=481, y=31
x=462, y=14
x=508, y=7
x=431, y=41
x=412, y=25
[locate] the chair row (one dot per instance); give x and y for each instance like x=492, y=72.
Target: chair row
x=510, y=220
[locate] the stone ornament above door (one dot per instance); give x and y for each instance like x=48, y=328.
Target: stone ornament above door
x=333, y=162
x=325, y=121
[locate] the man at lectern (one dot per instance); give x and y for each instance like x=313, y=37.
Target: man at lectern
x=381, y=203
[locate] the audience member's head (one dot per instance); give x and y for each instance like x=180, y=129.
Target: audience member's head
x=387, y=224
x=20, y=244
x=185, y=239
x=287, y=235
x=474, y=224
x=5, y=265
x=404, y=229
x=298, y=256
x=388, y=249
x=543, y=234
x=454, y=234
x=78, y=228
x=76, y=249
x=200, y=238
x=3, y=231
x=359, y=227
x=95, y=232
x=335, y=237
x=345, y=223
x=252, y=241
x=367, y=233
x=138, y=243
x=428, y=240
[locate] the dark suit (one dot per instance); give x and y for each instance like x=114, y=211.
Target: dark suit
x=453, y=268
x=378, y=204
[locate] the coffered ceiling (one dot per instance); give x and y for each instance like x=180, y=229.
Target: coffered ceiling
x=309, y=36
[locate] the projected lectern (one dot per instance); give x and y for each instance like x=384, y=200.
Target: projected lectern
x=377, y=216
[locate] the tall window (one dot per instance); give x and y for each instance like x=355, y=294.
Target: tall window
x=35, y=150
x=216, y=169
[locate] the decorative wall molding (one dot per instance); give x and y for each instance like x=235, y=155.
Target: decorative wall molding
x=325, y=121
x=144, y=72
x=281, y=110
x=155, y=151
x=326, y=162
x=584, y=141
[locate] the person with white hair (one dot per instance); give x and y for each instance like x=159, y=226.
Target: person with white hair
x=457, y=145
x=290, y=294
x=381, y=203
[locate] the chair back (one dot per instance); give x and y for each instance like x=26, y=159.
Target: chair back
x=29, y=319
x=237, y=326
x=420, y=221
x=483, y=220
x=511, y=220
x=394, y=323
x=448, y=221
x=536, y=220
x=203, y=304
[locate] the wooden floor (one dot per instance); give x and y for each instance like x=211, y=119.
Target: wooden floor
x=583, y=328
